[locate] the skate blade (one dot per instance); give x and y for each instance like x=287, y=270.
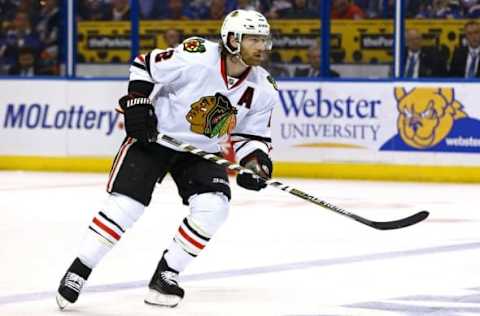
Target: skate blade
x=159, y=299
x=61, y=302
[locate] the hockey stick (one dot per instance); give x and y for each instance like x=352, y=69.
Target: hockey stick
x=404, y=222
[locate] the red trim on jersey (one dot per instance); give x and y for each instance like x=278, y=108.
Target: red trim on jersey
x=141, y=58
x=242, y=77
x=119, y=159
x=223, y=71
x=106, y=228
x=190, y=239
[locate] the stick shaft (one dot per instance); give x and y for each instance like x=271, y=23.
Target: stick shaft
x=413, y=219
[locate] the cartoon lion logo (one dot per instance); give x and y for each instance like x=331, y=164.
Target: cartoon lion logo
x=426, y=115
x=212, y=116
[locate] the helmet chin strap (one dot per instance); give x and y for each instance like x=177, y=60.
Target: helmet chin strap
x=238, y=55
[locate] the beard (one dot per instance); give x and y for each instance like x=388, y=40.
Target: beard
x=253, y=59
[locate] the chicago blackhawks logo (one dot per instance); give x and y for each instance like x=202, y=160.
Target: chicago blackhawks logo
x=194, y=45
x=212, y=116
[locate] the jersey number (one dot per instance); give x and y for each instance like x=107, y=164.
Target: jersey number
x=164, y=55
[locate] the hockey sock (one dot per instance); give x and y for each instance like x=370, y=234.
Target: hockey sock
x=188, y=242
x=208, y=212
x=108, y=226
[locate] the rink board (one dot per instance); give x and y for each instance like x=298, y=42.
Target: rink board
x=319, y=129
x=281, y=169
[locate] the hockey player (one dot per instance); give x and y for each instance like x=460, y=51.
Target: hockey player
x=205, y=91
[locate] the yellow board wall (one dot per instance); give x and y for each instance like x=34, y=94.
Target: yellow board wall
x=281, y=169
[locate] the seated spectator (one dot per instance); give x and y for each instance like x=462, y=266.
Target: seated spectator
x=417, y=8
x=464, y=63
x=345, y=9
x=248, y=5
x=25, y=64
x=471, y=9
x=313, y=69
x=172, y=38
x=218, y=10
x=371, y=8
x=198, y=9
x=30, y=7
x=377, y=9
x=388, y=10
x=422, y=62
x=119, y=11
x=47, y=28
x=8, y=51
x=277, y=8
x=300, y=10
x=48, y=64
x=23, y=32
x=151, y=9
x=441, y=9
x=8, y=8
x=93, y=10
x=175, y=10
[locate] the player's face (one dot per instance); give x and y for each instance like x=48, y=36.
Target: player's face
x=254, y=48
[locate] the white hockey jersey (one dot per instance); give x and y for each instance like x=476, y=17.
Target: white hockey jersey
x=199, y=104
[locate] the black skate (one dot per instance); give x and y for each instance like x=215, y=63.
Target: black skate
x=72, y=283
x=163, y=287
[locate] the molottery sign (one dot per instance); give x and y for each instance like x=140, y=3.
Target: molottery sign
x=44, y=116
x=61, y=118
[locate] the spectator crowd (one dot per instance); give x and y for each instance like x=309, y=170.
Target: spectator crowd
x=277, y=9
x=197, y=9
x=427, y=61
x=29, y=37
x=31, y=31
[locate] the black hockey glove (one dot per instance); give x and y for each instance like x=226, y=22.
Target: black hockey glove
x=260, y=163
x=140, y=118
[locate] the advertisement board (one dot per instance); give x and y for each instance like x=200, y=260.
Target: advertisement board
x=355, y=42
x=60, y=118
x=382, y=130
x=383, y=122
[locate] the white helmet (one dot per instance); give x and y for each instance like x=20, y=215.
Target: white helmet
x=240, y=22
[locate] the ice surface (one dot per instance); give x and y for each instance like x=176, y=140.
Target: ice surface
x=276, y=255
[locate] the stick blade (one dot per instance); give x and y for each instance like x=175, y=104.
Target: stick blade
x=400, y=223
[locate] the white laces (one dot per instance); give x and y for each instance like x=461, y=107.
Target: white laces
x=74, y=281
x=170, y=277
